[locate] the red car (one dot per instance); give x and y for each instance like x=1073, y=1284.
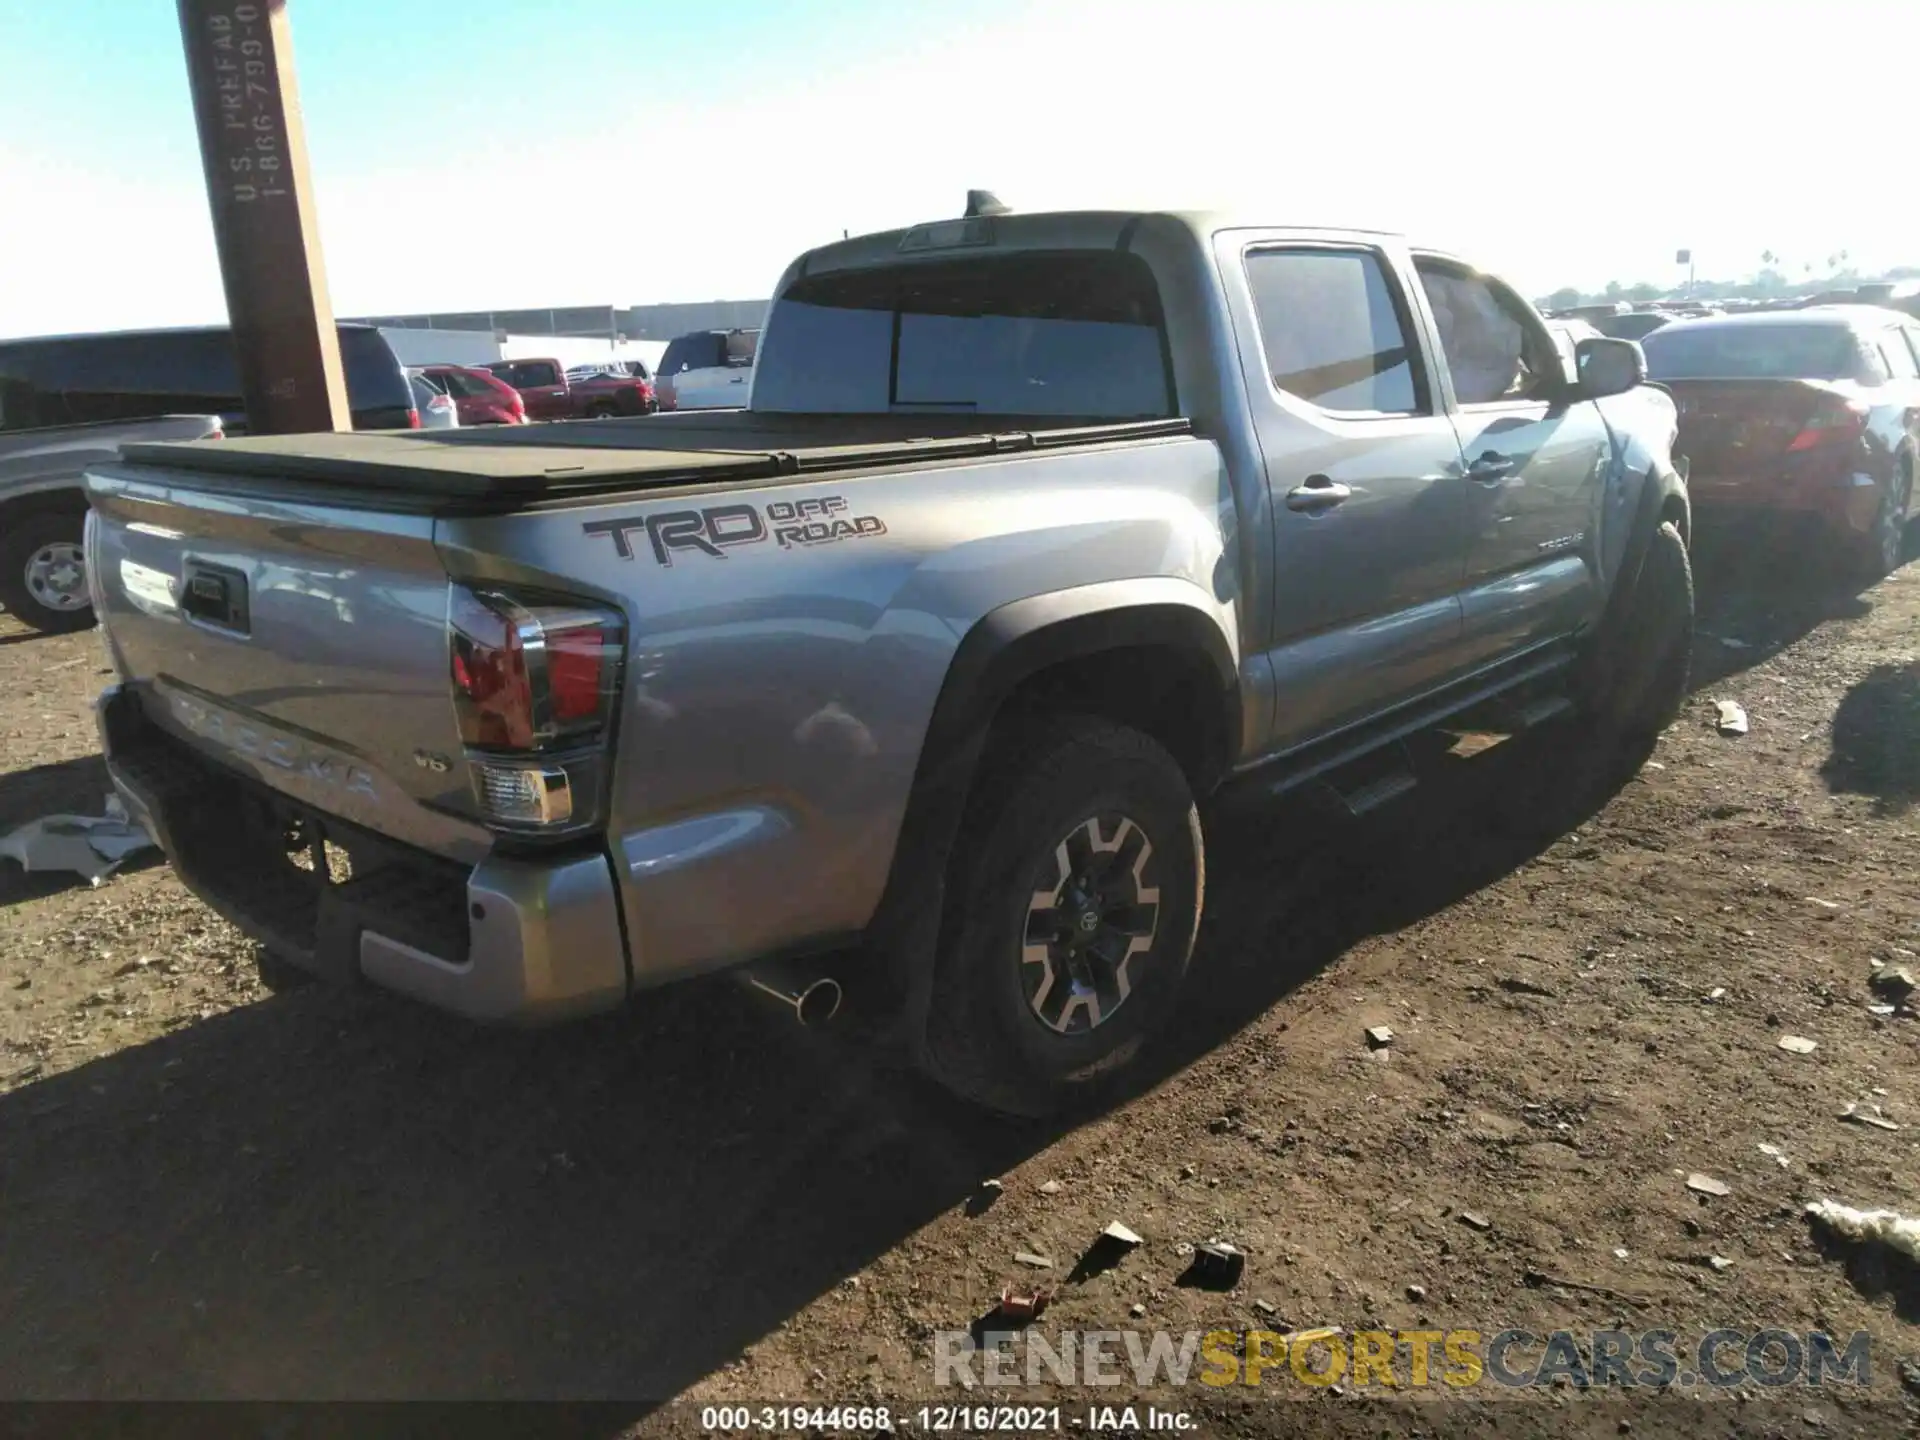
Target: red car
x=478, y=395
x=1806, y=416
x=627, y=393
x=542, y=384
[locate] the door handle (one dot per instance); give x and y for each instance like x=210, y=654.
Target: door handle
x=1490, y=468
x=1319, y=493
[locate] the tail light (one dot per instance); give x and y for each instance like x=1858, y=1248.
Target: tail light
x=1838, y=421
x=413, y=419
x=535, y=685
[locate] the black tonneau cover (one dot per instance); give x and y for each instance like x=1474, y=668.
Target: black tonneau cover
x=507, y=466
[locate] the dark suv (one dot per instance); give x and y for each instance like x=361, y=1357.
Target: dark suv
x=136, y=374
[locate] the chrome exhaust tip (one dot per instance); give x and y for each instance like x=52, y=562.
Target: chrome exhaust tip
x=811, y=998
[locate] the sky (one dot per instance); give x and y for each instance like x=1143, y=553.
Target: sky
x=506, y=153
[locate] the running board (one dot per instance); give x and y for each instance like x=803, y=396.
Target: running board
x=1393, y=777
x=1319, y=759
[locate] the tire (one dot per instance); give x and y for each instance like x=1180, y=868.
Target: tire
x=1008, y=1027
x=1883, y=549
x=43, y=576
x=602, y=410
x=1640, y=691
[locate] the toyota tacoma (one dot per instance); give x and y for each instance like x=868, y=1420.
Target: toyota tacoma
x=1040, y=530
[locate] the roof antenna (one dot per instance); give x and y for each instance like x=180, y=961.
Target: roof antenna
x=985, y=202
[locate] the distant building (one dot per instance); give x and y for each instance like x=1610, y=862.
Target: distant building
x=595, y=322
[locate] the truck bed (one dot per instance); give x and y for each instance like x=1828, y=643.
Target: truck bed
x=508, y=467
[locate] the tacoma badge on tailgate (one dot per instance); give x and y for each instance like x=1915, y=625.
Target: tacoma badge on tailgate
x=283, y=752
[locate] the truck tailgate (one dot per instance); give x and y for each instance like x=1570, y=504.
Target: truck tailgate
x=299, y=641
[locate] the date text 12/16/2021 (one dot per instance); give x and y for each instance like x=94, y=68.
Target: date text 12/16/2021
x=942, y=1419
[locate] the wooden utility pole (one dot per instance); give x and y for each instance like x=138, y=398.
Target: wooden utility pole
x=254, y=150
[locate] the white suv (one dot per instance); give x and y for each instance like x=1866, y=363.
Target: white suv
x=707, y=370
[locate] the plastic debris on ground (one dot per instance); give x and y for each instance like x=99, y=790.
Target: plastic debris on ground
x=1730, y=718
x=1899, y=1233
x=1022, y=1306
x=1217, y=1265
x=90, y=846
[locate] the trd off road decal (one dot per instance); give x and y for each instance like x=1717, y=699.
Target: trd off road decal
x=820, y=520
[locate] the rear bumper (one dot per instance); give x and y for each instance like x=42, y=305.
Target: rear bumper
x=1843, y=506
x=512, y=940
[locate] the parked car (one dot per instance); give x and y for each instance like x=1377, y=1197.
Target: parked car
x=43, y=510
x=542, y=385
x=1636, y=326
x=480, y=396
x=436, y=407
x=1809, y=418
x=1040, y=529
x=707, y=370
x=627, y=391
x=143, y=374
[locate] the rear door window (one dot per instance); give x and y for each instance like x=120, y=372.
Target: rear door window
x=1334, y=332
x=526, y=374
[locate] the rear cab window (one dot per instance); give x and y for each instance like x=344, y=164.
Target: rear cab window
x=1335, y=332
x=1063, y=333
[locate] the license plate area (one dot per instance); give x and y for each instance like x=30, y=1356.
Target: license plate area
x=216, y=595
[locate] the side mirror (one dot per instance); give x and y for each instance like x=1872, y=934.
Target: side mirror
x=1609, y=367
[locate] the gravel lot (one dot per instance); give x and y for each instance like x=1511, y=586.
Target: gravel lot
x=207, y=1190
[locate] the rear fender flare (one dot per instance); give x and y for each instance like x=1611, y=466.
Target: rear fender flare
x=1005, y=648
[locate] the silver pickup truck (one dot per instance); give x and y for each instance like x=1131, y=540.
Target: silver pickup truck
x=43, y=509
x=1040, y=530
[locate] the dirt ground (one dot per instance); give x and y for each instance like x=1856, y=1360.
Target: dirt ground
x=209, y=1191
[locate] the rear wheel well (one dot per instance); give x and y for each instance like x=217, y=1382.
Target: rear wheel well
x=1163, y=691
x=64, y=500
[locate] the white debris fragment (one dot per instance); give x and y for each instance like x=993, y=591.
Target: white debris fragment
x=1730, y=717
x=91, y=846
x=1887, y=1227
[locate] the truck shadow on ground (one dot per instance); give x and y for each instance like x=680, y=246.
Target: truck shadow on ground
x=1876, y=740
x=1757, y=598
x=329, y=1194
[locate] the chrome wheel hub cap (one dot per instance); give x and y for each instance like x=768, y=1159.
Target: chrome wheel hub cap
x=57, y=576
x=1094, y=909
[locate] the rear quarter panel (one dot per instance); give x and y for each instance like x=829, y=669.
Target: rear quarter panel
x=777, y=692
